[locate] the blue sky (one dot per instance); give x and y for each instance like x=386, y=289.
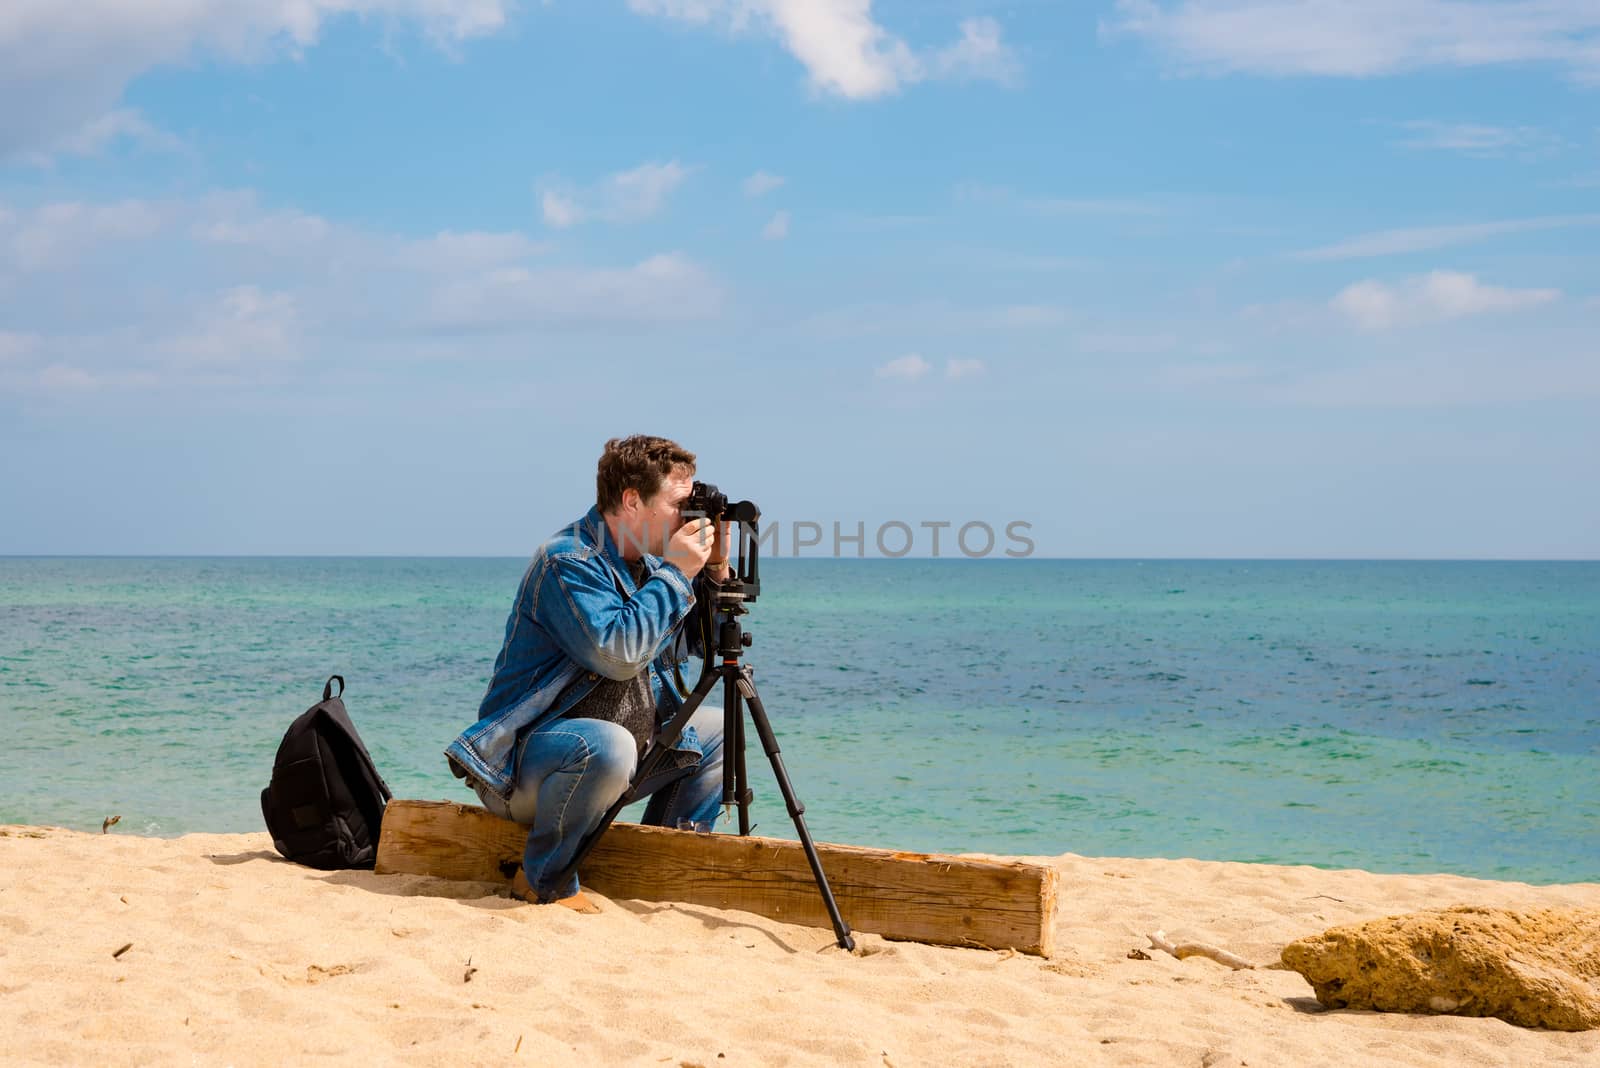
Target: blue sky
x=1204, y=278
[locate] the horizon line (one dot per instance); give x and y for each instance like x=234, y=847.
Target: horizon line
x=954, y=558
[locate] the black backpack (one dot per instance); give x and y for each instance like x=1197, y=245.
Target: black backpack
x=324, y=804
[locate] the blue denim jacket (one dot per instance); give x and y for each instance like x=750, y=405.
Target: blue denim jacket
x=578, y=616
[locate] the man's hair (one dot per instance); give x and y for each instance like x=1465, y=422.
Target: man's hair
x=639, y=462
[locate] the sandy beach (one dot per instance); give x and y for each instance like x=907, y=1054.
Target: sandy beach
x=234, y=956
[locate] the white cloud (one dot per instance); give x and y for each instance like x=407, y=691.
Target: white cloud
x=1370, y=304
x=980, y=55
x=761, y=183
x=913, y=368
x=449, y=250
x=229, y=292
x=68, y=369
x=639, y=193
x=243, y=334
x=1434, y=297
x=71, y=60
x=61, y=377
x=274, y=231
x=1365, y=38
x=662, y=289
x=238, y=220
x=96, y=135
x=624, y=197
x=559, y=211
x=55, y=235
x=1476, y=139
x=905, y=369
x=844, y=50
x=1427, y=238
x=245, y=325
x=777, y=227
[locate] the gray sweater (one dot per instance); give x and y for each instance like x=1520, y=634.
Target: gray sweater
x=628, y=702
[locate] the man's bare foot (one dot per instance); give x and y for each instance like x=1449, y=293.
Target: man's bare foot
x=520, y=888
x=577, y=902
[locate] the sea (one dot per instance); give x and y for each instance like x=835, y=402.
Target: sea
x=1396, y=716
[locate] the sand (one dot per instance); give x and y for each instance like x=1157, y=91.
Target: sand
x=238, y=957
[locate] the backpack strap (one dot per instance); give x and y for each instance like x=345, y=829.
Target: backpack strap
x=327, y=689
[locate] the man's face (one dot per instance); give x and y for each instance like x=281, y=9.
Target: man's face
x=652, y=523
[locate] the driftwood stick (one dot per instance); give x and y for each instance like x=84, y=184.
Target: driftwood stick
x=1205, y=949
x=1185, y=950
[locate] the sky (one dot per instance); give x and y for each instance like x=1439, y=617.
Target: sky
x=1156, y=278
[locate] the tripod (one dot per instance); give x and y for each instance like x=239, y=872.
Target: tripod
x=738, y=689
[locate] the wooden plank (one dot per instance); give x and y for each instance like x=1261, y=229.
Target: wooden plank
x=917, y=897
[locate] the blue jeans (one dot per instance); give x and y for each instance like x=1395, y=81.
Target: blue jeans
x=570, y=771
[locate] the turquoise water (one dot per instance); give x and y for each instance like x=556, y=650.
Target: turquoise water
x=1394, y=716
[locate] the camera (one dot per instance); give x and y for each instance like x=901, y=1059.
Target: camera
x=706, y=500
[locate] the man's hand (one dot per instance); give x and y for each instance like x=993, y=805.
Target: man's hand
x=690, y=547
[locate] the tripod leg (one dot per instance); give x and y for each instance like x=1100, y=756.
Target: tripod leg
x=735, y=782
x=769, y=742
x=673, y=728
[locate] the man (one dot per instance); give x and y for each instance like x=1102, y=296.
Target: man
x=588, y=669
